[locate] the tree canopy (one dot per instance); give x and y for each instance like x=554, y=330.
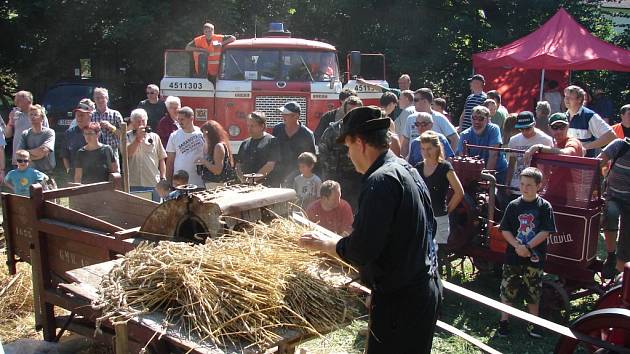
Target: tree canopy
x=432, y=40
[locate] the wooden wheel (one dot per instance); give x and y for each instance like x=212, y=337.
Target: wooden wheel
x=609, y=325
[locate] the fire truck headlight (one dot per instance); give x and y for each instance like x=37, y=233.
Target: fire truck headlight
x=234, y=130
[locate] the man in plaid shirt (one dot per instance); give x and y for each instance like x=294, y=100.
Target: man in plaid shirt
x=109, y=119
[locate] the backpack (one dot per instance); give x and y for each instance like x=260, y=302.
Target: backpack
x=624, y=149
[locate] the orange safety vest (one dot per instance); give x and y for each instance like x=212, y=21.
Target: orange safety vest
x=214, y=53
x=618, y=130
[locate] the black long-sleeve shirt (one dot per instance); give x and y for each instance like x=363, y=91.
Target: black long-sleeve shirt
x=392, y=242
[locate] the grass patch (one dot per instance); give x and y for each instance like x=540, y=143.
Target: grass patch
x=471, y=317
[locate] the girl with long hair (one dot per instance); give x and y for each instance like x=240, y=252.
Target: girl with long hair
x=438, y=174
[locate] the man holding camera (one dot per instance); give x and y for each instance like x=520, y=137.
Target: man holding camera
x=146, y=155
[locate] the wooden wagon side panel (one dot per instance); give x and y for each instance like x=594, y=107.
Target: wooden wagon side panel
x=115, y=207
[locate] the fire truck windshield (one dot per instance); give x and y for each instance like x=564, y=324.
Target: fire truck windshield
x=276, y=65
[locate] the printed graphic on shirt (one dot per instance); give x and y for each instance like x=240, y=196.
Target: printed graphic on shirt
x=525, y=228
x=24, y=181
x=190, y=144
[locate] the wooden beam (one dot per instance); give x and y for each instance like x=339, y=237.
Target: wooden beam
x=122, y=338
x=124, y=158
x=78, y=190
x=470, y=339
x=77, y=218
x=551, y=326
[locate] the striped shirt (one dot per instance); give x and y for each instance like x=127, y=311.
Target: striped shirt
x=114, y=117
x=619, y=177
x=473, y=100
x=587, y=126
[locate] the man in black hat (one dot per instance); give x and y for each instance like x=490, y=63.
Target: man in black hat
x=392, y=243
x=529, y=135
x=476, y=98
x=292, y=139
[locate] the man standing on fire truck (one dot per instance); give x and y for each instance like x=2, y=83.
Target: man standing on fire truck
x=211, y=43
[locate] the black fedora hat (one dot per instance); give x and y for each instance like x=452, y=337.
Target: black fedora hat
x=361, y=120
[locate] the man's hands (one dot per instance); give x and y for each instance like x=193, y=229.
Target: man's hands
x=12, y=116
x=527, y=157
x=107, y=126
x=317, y=241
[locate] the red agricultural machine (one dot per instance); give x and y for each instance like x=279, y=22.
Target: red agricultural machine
x=572, y=186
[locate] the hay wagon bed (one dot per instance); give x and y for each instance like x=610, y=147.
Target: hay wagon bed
x=147, y=330
x=72, y=236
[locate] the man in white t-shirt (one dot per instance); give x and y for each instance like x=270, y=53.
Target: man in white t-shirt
x=185, y=146
x=422, y=100
x=529, y=135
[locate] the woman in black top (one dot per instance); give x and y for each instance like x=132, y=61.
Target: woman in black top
x=438, y=175
x=95, y=160
x=218, y=166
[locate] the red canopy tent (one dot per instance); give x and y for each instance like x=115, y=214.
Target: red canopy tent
x=561, y=44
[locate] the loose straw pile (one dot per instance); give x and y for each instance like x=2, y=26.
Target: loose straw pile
x=16, y=302
x=242, y=288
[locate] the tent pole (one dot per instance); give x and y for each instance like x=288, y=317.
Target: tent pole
x=542, y=84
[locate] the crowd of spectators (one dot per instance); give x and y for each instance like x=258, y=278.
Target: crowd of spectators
x=163, y=142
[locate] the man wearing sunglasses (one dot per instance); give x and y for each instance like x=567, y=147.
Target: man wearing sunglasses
x=423, y=98
x=484, y=133
x=424, y=122
x=563, y=144
x=153, y=105
x=529, y=135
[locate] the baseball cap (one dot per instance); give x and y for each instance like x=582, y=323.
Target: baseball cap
x=290, y=107
x=477, y=77
x=361, y=120
x=85, y=105
x=558, y=118
x=524, y=120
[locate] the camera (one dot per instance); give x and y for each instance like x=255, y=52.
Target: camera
x=147, y=130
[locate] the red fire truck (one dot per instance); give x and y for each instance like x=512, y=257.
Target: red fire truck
x=262, y=74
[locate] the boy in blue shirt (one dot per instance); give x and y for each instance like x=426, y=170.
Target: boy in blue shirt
x=20, y=179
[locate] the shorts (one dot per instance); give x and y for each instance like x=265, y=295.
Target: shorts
x=521, y=277
x=443, y=229
x=614, y=210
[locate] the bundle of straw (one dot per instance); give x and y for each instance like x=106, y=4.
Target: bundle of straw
x=244, y=288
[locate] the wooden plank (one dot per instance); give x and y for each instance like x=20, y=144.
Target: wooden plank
x=122, y=338
x=81, y=234
x=124, y=160
x=92, y=275
x=61, y=213
x=551, y=326
x=125, y=234
x=116, y=207
x=42, y=277
x=65, y=254
x=470, y=339
x=7, y=224
x=78, y=190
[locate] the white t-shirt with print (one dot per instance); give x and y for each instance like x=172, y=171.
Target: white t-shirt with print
x=519, y=142
x=188, y=147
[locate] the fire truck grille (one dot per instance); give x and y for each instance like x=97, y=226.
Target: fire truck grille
x=270, y=105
